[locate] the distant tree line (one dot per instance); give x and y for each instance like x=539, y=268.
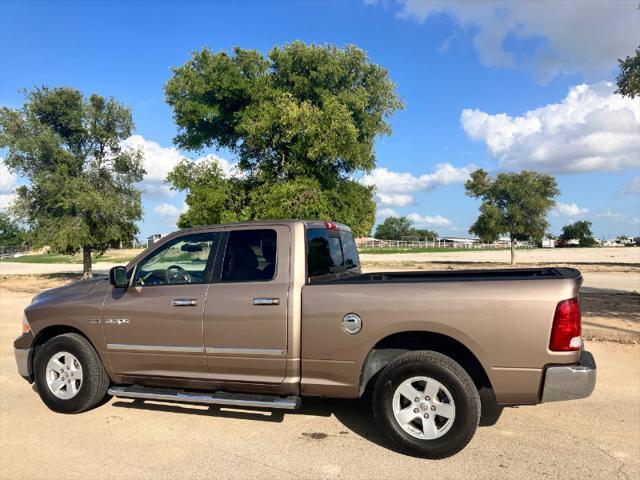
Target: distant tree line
x=402, y=228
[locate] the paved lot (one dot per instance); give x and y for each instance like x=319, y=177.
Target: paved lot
x=598, y=437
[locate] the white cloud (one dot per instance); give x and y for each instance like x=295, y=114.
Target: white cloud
x=569, y=37
x=169, y=212
x=608, y=214
x=8, y=183
x=568, y=210
x=382, y=213
x=632, y=187
x=395, y=199
x=7, y=178
x=429, y=221
x=394, y=188
x=591, y=129
x=6, y=199
x=159, y=161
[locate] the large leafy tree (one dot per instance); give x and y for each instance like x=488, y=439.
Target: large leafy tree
x=11, y=233
x=581, y=231
x=81, y=194
x=629, y=77
x=513, y=203
x=302, y=111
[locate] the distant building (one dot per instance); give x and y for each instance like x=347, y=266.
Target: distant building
x=151, y=239
x=459, y=240
x=548, y=243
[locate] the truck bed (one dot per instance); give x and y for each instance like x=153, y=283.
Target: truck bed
x=456, y=276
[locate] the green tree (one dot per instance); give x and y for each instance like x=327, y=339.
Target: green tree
x=423, y=234
x=302, y=111
x=301, y=197
x=351, y=203
x=513, y=203
x=348, y=202
x=81, y=194
x=580, y=231
x=629, y=77
x=394, y=228
x=11, y=234
x=211, y=198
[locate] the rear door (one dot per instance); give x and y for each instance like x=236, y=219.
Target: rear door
x=154, y=328
x=245, y=317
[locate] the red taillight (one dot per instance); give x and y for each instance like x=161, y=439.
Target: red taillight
x=25, y=324
x=330, y=226
x=566, y=330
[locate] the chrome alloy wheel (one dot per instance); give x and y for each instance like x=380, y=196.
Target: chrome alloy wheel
x=64, y=375
x=424, y=408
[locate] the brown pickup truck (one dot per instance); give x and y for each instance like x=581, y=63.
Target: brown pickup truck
x=263, y=314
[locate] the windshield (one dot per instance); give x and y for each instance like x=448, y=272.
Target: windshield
x=330, y=252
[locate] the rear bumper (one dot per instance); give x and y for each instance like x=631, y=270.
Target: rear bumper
x=22, y=361
x=570, y=382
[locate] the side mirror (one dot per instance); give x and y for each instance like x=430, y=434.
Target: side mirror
x=191, y=247
x=118, y=277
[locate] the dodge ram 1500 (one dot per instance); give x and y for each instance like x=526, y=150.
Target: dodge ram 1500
x=265, y=314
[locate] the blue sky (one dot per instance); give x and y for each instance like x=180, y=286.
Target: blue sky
x=498, y=85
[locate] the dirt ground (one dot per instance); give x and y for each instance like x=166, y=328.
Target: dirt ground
x=588, y=259
x=598, y=437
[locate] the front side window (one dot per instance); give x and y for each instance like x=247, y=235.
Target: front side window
x=184, y=260
x=250, y=256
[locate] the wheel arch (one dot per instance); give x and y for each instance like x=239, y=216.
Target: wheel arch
x=392, y=346
x=52, y=331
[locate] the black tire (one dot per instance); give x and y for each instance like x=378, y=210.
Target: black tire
x=452, y=376
x=95, y=381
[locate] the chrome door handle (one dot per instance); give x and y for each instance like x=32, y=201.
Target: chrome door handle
x=184, y=302
x=266, y=301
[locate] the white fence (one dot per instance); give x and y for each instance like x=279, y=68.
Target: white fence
x=375, y=243
x=12, y=251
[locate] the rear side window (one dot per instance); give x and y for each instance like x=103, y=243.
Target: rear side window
x=250, y=256
x=330, y=252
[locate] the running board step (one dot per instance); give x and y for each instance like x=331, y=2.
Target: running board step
x=215, y=398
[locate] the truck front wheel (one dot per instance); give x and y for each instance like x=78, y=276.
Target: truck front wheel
x=427, y=404
x=69, y=375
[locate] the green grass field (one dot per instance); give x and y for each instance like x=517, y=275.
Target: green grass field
x=70, y=259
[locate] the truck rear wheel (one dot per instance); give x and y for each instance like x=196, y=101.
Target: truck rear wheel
x=69, y=375
x=426, y=404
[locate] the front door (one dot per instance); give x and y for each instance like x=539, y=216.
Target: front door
x=245, y=318
x=154, y=327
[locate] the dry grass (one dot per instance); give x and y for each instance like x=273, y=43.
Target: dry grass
x=36, y=283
